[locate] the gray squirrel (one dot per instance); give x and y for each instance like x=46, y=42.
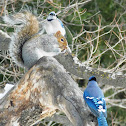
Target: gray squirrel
x=27, y=46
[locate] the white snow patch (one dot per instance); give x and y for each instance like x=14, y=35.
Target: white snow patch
x=7, y=88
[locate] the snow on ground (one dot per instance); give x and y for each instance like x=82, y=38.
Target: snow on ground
x=6, y=89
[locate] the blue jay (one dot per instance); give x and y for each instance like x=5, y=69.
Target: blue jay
x=94, y=98
x=53, y=24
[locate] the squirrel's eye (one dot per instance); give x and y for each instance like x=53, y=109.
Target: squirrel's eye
x=62, y=40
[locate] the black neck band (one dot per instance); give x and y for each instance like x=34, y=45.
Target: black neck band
x=49, y=19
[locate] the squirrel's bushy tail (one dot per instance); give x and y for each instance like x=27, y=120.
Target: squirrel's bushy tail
x=102, y=120
x=27, y=26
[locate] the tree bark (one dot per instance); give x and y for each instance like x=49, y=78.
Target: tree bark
x=45, y=88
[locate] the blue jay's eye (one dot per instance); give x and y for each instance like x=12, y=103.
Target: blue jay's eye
x=62, y=40
x=52, y=14
x=92, y=78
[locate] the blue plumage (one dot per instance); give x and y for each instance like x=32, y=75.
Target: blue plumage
x=61, y=23
x=94, y=98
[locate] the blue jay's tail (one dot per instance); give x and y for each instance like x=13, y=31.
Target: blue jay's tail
x=102, y=120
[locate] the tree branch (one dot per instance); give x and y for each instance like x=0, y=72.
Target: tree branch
x=82, y=71
x=43, y=89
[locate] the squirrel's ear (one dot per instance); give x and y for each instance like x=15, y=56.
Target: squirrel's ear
x=58, y=34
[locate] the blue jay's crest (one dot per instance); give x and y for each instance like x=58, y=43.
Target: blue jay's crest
x=94, y=98
x=52, y=15
x=92, y=78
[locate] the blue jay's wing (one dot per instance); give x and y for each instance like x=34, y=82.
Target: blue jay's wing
x=104, y=107
x=90, y=104
x=96, y=105
x=61, y=23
